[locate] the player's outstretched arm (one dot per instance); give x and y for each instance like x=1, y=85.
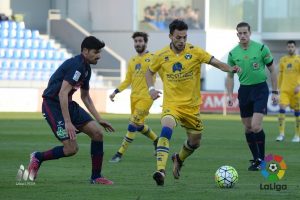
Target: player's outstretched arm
x=88, y=102
x=223, y=66
x=149, y=79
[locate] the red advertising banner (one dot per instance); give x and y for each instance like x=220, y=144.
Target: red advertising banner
x=216, y=102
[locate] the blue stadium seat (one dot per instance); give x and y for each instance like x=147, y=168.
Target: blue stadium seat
x=30, y=66
x=35, y=34
x=35, y=43
x=27, y=34
x=20, y=43
x=25, y=54
x=2, y=53
x=33, y=54
x=20, y=25
x=43, y=44
x=3, y=33
x=12, y=25
x=13, y=65
x=50, y=44
x=28, y=43
x=4, y=43
x=21, y=65
x=20, y=34
x=12, y=43
x=4, y=25
x=12, y=33
x=41, y=55
x=38, y=66
x=49, y=55
x=4, y=65
x=8, y=53
x=17, y=54
x=46, y=66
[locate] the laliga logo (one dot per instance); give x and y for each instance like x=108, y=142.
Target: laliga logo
x=273, y=169
x=24, y=177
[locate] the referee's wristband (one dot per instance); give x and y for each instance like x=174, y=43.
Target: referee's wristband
x=275, y=92
x=151, y=88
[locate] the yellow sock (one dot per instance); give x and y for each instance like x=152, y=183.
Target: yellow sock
x=149, y=133
x=129, y=137
x=297, y=131
x=185, y=151
x=281, y=120
x=162, y=153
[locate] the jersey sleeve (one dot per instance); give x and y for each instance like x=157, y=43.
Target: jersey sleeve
x=203, y=56
x=74, y=74
x=266, y=55
x=155, y=64
x=128, y=78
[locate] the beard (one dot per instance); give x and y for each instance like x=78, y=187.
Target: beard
x=140, y=49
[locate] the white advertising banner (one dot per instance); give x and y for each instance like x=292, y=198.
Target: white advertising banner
x=19, y=100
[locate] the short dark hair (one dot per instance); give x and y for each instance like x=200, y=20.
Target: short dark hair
x=178, y=24
x=141, y=34
x=243, y=24
x=92, y=42
x=291, y=42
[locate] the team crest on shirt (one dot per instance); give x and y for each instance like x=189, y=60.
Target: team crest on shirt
x=255, y=65
x=177, y=67
x=289, y=66
x=138, y=66
x=147, y=60
x=167, y=58
x=188, y=56
x=76, y=76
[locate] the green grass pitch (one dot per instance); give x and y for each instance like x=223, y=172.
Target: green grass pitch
x=223, y=143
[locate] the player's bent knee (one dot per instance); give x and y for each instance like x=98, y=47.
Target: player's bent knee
x=97, y=136
x=71, y=150
x=192, y=145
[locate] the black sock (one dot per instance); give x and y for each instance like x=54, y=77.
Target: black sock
x=260, y=141
x=251, y=140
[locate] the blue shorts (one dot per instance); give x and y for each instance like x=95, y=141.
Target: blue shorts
x=253, y=99
x=52, y=113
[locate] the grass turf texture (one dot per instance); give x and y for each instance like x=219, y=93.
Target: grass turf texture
x=223, y=143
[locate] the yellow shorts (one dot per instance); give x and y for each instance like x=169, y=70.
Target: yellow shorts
x=188, y=117
x=290, y=99
x=140, y=109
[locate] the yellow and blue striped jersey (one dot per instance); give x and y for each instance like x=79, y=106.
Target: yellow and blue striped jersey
x=180, y=74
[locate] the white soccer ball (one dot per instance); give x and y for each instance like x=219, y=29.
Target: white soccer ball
x=273, y=167
x=226, y=177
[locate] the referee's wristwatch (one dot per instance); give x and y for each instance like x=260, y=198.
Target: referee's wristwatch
x=275, y=92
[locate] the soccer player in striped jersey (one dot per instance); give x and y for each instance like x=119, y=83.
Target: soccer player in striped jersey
x=179, y=65
x=140, y=99
x=289, y=87
x=253, y=93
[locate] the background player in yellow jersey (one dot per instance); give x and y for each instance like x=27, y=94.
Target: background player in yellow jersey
x=180, y=66
x=141, y=101
x=289, y=87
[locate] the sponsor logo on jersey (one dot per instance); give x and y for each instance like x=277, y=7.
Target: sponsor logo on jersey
x=76, y=76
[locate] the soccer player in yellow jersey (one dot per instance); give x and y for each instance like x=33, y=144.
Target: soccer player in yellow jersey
x=141, y=101
x=180, y=66
x=289, y=87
